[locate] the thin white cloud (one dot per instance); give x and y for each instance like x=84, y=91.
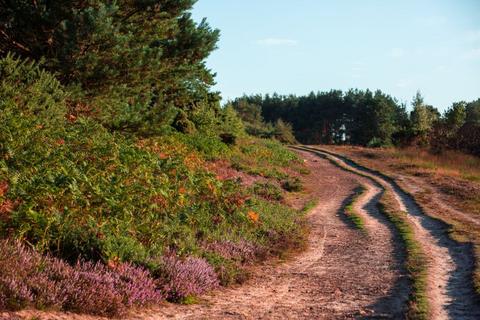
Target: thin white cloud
x=404, y=83
x=277, y=42
x=472, y=54
x=473, y=36
x=397, y=53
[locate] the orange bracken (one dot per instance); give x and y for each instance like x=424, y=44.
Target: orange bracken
x=253, y=216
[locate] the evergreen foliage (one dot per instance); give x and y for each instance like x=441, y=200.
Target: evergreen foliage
x=354, y=117
x=133, y=62
x=284, y=132
x=367, y=118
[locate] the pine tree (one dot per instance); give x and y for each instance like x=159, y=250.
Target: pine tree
x=422, y=118
x=131, y=59
x=284, y=132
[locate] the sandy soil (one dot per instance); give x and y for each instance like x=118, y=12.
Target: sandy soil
x=450, y=290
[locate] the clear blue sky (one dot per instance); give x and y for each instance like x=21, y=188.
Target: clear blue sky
x=398, y=46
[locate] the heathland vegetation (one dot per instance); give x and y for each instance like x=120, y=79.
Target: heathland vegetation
x=124, y=182
x=118, y=167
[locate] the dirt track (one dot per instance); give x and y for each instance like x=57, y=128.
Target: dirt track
x=450, y=291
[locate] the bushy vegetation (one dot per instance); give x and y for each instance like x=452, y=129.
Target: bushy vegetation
x=268, y=190
x=292, y=184
x=107, y=126
x=28, y=278
x=75, y=190
x=255, y=125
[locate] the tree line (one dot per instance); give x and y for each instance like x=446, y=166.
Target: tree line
x=362, y=117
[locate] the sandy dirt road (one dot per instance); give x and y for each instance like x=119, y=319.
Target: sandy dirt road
x=450, y=264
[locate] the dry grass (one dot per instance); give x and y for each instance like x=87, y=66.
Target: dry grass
x=449, y=163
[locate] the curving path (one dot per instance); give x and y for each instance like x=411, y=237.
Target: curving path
x=450, y=290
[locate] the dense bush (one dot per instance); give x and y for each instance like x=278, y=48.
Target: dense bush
x=107, y=123
x=292, y=184
x=284, y=132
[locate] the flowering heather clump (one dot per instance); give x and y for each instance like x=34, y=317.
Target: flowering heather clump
x=137, y=285
x=28, y=278
x=92, y=290
x=242, y=251
x=16, y=264
x=180, y=278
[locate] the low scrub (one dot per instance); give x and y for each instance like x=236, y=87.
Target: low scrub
x=182, y=278
x=30, y=279
x=264, y=157
x=292, y=184
x=108, y=209
x=268, y=191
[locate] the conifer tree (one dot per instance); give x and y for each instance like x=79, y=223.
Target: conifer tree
x=130, y=59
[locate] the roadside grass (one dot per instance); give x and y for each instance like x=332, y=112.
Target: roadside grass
x=310, y=205
x=73, y=190
x=266, y=158
x=351, y=213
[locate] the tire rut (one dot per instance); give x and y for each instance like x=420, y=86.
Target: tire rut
x=450, y=290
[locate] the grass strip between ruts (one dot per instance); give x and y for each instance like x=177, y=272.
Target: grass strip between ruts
x=351, y=213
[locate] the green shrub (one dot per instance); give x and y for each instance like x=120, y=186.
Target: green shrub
x=292, y=184
x=268, y=191
x=377, y=143
x=284, y=132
